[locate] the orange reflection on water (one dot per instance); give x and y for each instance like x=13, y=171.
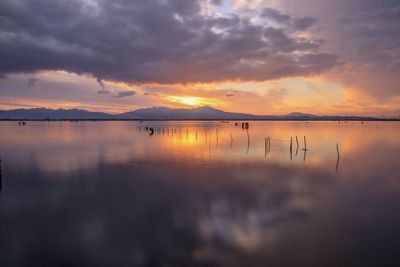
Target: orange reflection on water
x=75, y=145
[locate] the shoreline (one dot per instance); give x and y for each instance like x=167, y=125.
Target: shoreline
x=214, y=120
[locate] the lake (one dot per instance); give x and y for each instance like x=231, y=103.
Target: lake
x=199, y=194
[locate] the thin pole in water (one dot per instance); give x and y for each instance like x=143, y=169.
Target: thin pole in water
x=305, y=144
x=291, y=144
x=337, y=150
x=338, y=157
x=265, y=147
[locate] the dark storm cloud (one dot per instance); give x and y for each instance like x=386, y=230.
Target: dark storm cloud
x=304, y=23
x=103, y=92
x=276, y=15
x=31, y=82
x=297, y=24
x=161, y=41
x=216, y=2
x=117, y=94
x=121, y=94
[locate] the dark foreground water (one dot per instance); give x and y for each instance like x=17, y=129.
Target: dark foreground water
x=199, y=194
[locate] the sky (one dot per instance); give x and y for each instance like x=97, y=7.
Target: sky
x=259, y=56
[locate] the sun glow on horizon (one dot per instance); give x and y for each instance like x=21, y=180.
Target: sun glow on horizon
x=193, y=101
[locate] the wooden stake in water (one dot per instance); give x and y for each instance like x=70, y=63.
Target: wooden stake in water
x=265, y=147
x=268, y=144
x=305, y=144
x=291, y=142
x=337, y=150
x=338, y=157
x=231, y=139
x=305, y=149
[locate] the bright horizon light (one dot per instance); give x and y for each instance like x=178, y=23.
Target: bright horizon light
x=191, y=100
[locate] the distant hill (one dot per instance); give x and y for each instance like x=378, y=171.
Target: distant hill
x=51, y=114
x=200, y=113
x=159, y=113
x=299, y=114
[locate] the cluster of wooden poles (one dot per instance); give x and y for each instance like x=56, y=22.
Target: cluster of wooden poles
x=267, y=143
x=297, y=147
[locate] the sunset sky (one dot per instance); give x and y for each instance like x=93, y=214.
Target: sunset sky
x=259, y=56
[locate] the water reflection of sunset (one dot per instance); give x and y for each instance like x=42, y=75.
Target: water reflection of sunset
x=215, y=178
x=208, y=141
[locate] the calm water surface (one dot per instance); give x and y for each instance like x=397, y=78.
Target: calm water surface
x=199, y=194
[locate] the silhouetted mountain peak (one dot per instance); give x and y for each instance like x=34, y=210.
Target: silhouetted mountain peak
x=158, y=113
x=300, y=114
x=55, y=114
x=206, y=108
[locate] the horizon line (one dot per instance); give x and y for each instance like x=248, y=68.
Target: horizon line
x=300, y=114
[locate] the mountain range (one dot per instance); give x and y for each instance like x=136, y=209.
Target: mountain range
x=158, y=113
